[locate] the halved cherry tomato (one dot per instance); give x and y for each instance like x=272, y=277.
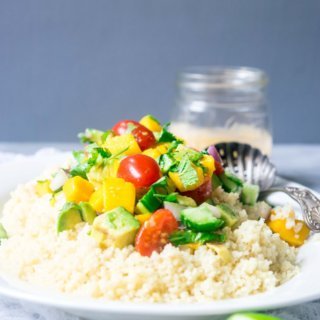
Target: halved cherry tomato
x=202, y=193
x=219, y=168
x=139, y=169
x=154, y=233
x=143, y=136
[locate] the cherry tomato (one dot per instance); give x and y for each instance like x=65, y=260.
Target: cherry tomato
x=143, y=136
x=219, y=168
x=139, y=169
x=202, y=193
x=154, y=233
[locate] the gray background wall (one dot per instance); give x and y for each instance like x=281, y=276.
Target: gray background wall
x=70, y=64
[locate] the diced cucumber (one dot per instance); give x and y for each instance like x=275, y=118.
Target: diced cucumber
x=186, y=201
x=150, y=201
x=216, y=182
x=229, y=216
x=3, y=233
x=175, y=208
x=214, y=210
x=141, y=209
x=201, y=219
x=233, y=178
x=228, y=185
x=182, y=237
x=249, y=194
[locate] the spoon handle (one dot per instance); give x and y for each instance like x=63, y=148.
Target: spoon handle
x=309, y=203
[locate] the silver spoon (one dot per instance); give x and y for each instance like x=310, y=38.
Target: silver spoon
x=253, y=167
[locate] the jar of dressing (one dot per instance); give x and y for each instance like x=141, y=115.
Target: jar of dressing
x=222, y=104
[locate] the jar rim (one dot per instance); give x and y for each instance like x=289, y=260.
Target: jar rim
x=200, y=78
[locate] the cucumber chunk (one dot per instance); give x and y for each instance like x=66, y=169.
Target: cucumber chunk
x=201, y=219
x=233, y=178
x=229, y=216
x=249, y=194
x=182, y=237
x=215, y=181
x=185, y=201
x=228, y=184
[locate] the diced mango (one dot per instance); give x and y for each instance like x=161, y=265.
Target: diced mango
x=43, y=187
x=174, y=176
x=208, y=162
x=293, y=236
x=152, y=152
x=118, y=193
x=97, y=174
x=125, y=143
x=157, y=151
x=77, y=189
x=151, y=123
x=142, y=218
x=96, y=200
x=163, y=147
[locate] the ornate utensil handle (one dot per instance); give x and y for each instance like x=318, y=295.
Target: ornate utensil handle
x=310, y=205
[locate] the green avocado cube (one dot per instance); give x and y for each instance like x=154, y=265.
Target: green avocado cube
x=115, y=228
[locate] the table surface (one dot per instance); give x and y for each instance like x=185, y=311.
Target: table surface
x=298, y=162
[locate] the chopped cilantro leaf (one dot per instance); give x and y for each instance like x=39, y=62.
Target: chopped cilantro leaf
x=187, y=173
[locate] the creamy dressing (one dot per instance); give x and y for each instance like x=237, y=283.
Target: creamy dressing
x=202, y=137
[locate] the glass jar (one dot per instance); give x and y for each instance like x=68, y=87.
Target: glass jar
x=222, y=104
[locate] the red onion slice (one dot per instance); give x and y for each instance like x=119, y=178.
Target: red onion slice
x=212, y=150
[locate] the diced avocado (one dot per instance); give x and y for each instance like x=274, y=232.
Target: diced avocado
x=88, y=214
x=185, y=201
x=233, y=178
x=228, y=215
x=3, y=233
x=115, y=228
x=227, y=184
x=249, y=194
x=215, y=181
x=69, y=217
x=201, y=219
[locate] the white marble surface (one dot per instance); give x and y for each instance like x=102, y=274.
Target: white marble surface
x=295, y=162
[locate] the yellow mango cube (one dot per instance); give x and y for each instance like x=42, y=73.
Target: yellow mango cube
x=96, y=175
x=208, y=162
x=151, y=123
x=125, y=143
x=142, y=218
x=77, y=189
x=157, y=151
x=294, y=236
x=174, y=176
x=96, y=200
x=152, y=152
x=118, y=193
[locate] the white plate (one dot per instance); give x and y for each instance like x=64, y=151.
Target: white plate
x=302, y=288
